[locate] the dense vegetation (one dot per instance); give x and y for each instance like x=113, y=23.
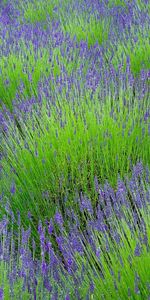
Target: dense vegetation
x=74, y=153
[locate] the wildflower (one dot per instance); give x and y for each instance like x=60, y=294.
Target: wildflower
x=50, y=227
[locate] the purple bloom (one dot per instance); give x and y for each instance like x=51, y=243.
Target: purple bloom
x=136, y=289
x=44, y=267
x=60, y=242
x=29, y=215
x=40, y=228
x=96, y=184
x=1, y=294
x=92, y=287
x=13, y=189
x=47, y=285
x=119, y=276
x=58, y=219
x=26, y=235
x=85, y=204
x=50, y=227
x=18, y=220
x=137, y=251
x=138, y=170
x=98, y=251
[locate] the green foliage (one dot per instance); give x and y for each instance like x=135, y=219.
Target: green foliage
x=37, y=11
x=139, y=53
x=60, y=160
x=119, y=259
x=12, y=71
x=112, y=3
x=89, y=29
x=37, y=65
x=53, y=157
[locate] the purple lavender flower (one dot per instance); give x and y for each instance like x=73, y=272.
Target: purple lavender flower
x=44, y=267
x=50, y=227
x=26, y=235
x=136, y=289
x=60, y=242
x=98, y=252
x=96, y=184
x=92, y=287
x=59, y=219
x=13, y=188
x=138, y=170
x=1, y=294
x=40, y=228
x=29, y=215
x=85, y=204
x=137, y=251
x=47, y=285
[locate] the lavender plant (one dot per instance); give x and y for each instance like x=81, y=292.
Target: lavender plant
x=133, y=39
x=38, y=11
x=109, y=258
x=92, y=29
x=64, y=146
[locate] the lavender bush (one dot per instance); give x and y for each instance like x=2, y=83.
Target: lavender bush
x=108, y=259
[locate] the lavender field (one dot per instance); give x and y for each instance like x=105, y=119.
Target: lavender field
x=74, y=150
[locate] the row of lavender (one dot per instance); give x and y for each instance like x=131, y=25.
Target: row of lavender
x=109, y=259
x=23, y=45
